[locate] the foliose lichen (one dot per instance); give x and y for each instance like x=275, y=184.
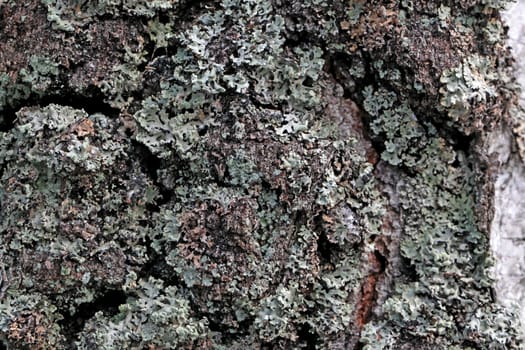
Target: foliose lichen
x=252, y=174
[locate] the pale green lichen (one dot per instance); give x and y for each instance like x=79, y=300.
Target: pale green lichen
x=228, y=192
x=473, y=83
x=35, y=80
x=153, y=315
x=19, y=312
x=191, y=97
x=69, y=15
x=441, y=240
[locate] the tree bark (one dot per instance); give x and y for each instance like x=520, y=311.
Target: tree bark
x=253, y=174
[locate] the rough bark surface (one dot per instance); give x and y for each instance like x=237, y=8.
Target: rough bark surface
x=507, y=230
x=252, y=174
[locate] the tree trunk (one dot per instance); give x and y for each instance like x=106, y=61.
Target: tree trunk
x=249, y=174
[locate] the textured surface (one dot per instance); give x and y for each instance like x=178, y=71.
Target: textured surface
x=508, y=228
x=251, y=174
x=515, y=19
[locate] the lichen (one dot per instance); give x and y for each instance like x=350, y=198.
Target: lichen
x=39, y=77
x=233, y=174
x=153, y=315
x=468, y=88
x=69, y=15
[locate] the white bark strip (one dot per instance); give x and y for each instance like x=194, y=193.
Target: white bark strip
x=508, y=226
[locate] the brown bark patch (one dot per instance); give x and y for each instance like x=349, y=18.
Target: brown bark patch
x=368, y=293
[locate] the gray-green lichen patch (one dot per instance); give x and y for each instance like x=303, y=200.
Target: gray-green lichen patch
x=236, y=239
x=72, y=202
x=442, y=241
x=256, y=220
x=469, y=87
x=269, y=175
x=40, y=76
x=69, y=15
x=38, y=63
x=442, y=199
